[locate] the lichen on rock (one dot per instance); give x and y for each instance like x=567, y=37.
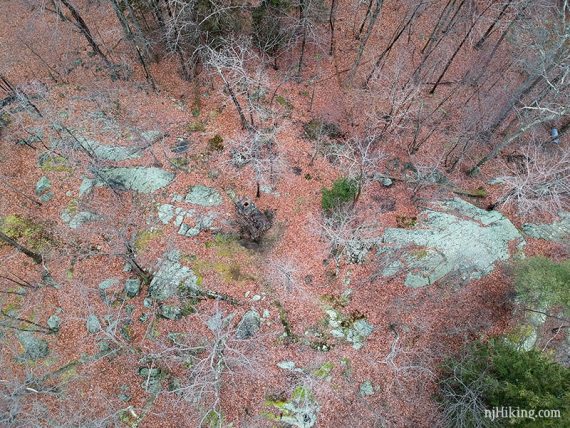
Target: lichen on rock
x=454, y=237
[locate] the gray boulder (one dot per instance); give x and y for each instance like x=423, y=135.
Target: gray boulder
x=54, y=322
x=43, y=185
x=132, y=287
x=93, y=325
x=170, y=312
x=249, y=325
x=172, y=278
x=140, y=179
x=165, y=213
x=453, y=237
x=204, y=196
x=366, y=389
x=34, y=348
x=42, y=189
x=558, y=231
x=76, y=220
x=110, y=153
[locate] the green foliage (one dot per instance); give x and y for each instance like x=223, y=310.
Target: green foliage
x=216, y=143
x=318, y=128
x=542, y=283
x=343, y=191
x=496, y=374
x=269, y=34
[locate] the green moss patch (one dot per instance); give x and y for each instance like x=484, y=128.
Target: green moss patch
x=25, y=231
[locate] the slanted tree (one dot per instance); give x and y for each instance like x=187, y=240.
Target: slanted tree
x=36, y=257
x=78, y=21
x=543, y=95
x=372, y=16
x=134, y=33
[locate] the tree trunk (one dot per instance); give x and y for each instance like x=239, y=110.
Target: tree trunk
x=372, y=21
x=497, y=149
x=303, y=35
x=364, y=20
x=391, y=44
x=426, y=53
x=80, y=23
x=37, y=258
x=332, y=19
x=244, y=123
x=437, y=25
x=492, y=26
x=450, y=61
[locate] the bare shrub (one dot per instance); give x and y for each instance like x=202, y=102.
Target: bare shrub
x=539, y=182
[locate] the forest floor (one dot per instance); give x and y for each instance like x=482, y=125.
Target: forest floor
x=291, y=280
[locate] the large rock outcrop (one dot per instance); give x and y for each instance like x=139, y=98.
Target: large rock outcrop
x=451, y=237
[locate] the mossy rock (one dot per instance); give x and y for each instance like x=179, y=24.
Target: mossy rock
x=196, y=126
x=324, y=371
x=180, y=162
x=54, y=163
x=34, y=348
x=26, y=231
x=299, y=411
x=5, y=120
x=145, y=237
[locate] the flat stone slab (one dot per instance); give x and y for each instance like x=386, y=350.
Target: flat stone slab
x=452, y=237
x=204, y=196
x=76, y=220
x=140, y=179
x=558, y=231
x=107, y=152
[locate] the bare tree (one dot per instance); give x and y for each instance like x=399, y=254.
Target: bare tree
x=348, y=236
x=543, y=96
x=258, y=151
x=214, y=359
x=540, y=182
x=245, y=81
x=193, y=28
x=462, y=403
